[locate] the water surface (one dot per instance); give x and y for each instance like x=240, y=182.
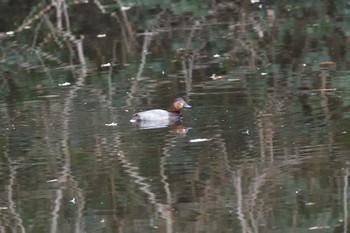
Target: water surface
x=264, y=147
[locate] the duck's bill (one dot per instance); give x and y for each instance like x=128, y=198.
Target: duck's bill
x=186, y=105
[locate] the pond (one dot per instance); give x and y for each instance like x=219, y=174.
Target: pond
x=263, y=148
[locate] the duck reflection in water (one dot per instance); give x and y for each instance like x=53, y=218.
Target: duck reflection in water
x=158, y=118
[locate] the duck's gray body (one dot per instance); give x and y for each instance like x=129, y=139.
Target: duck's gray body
x=156, y=118
x=155, y=115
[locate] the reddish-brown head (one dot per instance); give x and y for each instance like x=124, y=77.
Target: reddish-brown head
x=178, y=104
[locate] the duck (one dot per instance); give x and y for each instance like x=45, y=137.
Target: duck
x=157, y=118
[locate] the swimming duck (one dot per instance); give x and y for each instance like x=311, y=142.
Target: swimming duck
x=158, y=118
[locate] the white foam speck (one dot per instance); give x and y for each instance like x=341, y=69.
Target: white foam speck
x=111, y=124
x=200, y=140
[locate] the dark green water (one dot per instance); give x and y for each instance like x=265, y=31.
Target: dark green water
x=264, y=148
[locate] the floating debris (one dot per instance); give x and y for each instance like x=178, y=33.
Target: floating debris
x=326, y=89
x=49, y=96
x=318, y=227
x=51, y=181
x=215, y=77
x=64, y=84
x=233, y=79
x=200, y=140
x=265, y=114
x=310, y=203
x=106, y=65
x=112, y=124
x=125, y=8
x=327, y=63
x=246, y=132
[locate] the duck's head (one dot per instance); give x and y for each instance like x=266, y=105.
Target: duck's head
x=178, y=104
